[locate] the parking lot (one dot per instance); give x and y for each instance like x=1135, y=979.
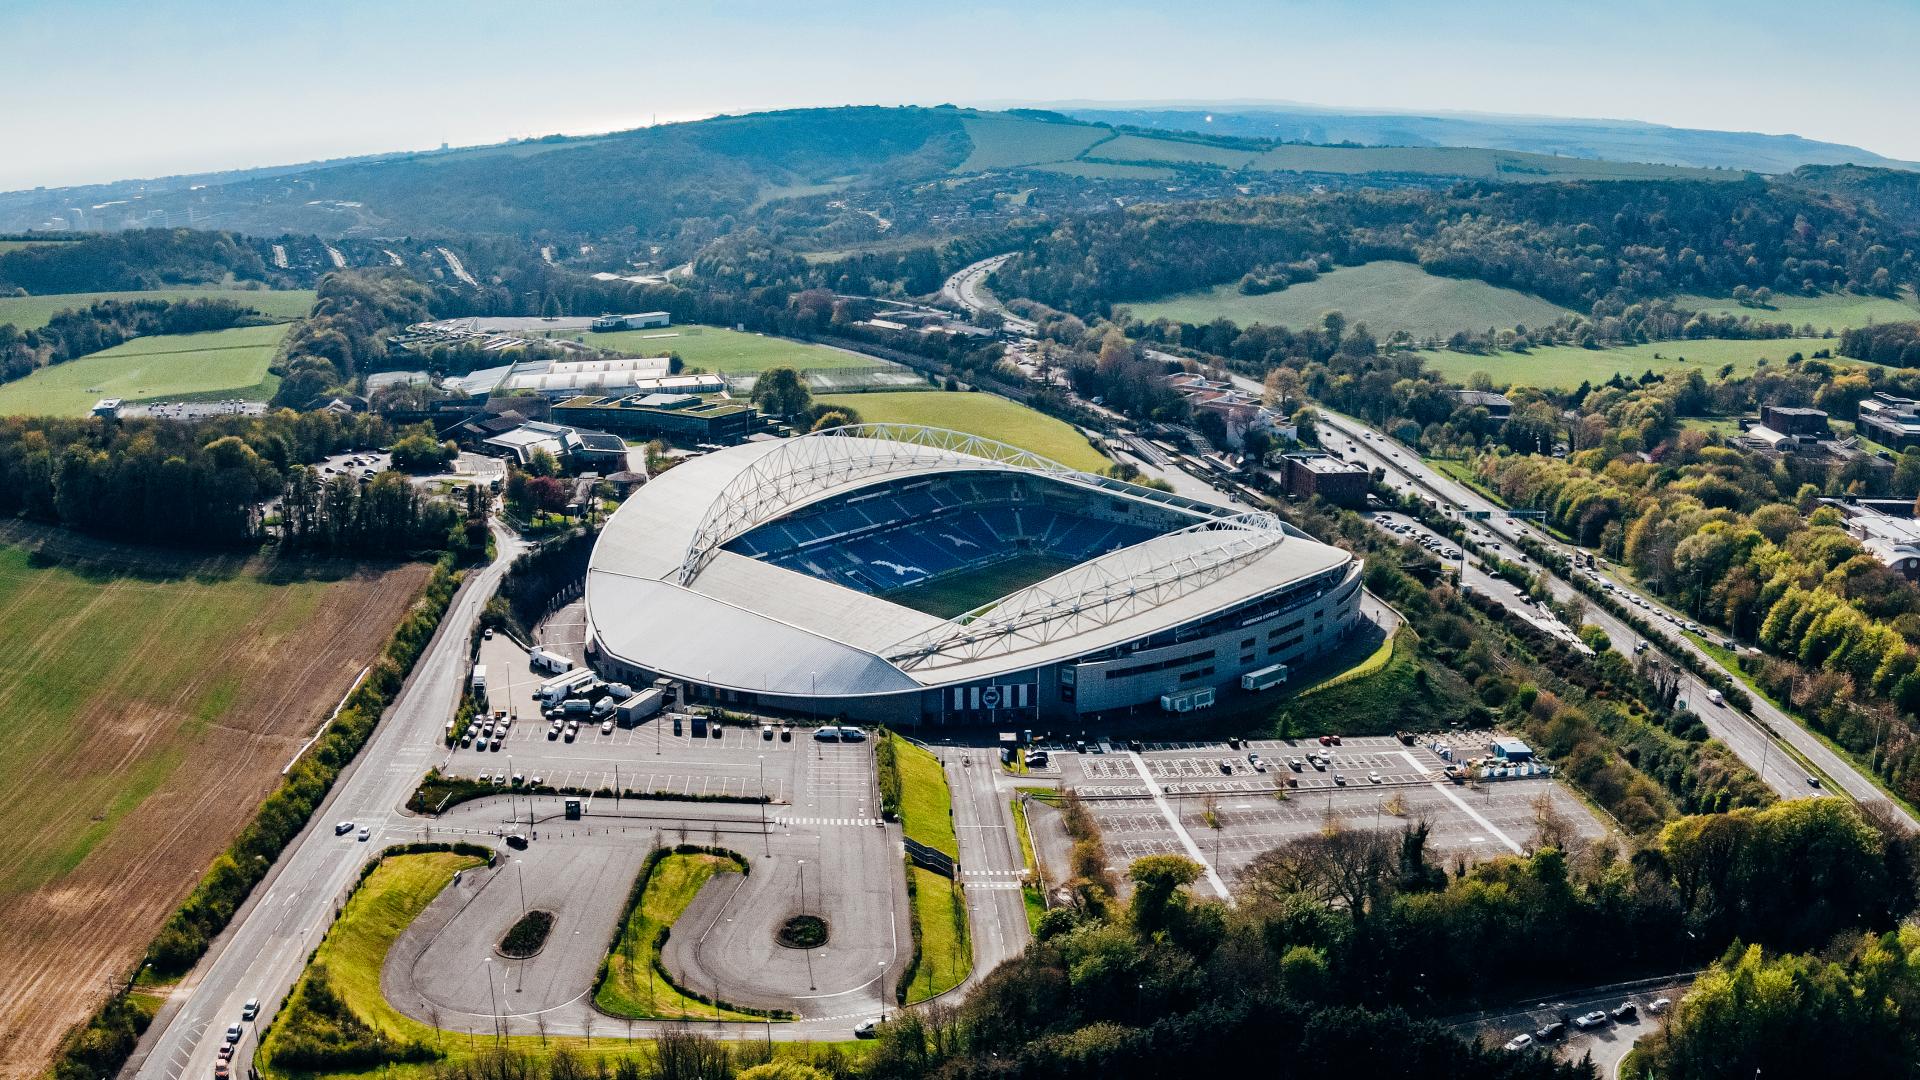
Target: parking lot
x=1232, y=809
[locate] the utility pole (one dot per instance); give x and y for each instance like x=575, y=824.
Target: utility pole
x=764, y=838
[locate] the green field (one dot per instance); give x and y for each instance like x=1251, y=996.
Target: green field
x=1005, y=143
x=978, y=414
x=16, y=245
x=1387, y=296
x=1563, y=367
x=220, y=363
x=724, y=352
x=28, y=312
x=1828, y=311
x=632, y=988
x=957, y=594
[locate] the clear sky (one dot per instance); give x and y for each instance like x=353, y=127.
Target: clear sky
x=95, y=90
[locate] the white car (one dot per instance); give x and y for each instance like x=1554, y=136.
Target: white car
x=867, y=1029
x=1373, y=778
x=1519, y=1042
x=1659, y=1005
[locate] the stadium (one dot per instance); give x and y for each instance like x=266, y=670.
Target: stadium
x=918, y=576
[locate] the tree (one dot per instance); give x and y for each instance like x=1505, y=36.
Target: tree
x=782, y=392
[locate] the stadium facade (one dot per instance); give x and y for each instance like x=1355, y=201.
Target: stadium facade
x=916, y=576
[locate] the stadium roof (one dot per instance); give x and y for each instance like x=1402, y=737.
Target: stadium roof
x=663, y=594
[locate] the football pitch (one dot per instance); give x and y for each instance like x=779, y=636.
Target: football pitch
x=957, y=594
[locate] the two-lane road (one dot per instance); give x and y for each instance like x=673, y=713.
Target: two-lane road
x=263, y=951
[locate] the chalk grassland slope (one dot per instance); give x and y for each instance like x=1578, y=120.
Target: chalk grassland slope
x=29, y=312
x=1009, y=143
x=1001, y=142
x=1564, y=367
x=1387, y=296
x=978, y=414
x=1828, y=311
x=724, y=352
x=147, y=704
x=231, y=362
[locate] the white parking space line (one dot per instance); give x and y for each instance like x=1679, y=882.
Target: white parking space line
x=1179, y=830
x=1480, y=818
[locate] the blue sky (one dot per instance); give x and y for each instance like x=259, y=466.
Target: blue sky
x=94, y=90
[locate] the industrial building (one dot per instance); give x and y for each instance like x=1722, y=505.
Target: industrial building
x=643, y=321
x=1323, y=475
x=681, y=418
x=917, y=576
x=1891, y=421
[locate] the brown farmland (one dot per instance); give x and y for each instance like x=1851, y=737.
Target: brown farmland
x=148, y=701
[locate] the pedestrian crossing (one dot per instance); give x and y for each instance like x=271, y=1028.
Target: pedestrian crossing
x=867, y=821
x=992, y=873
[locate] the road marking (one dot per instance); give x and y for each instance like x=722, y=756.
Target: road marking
x=1179, y=830
x=1479, y=818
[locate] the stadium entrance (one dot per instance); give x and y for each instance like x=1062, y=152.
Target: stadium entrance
x=991, y=703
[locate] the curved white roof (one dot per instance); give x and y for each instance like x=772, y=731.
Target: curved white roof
x=662, y=593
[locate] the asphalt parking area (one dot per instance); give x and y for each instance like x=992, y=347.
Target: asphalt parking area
x=724, y=944
x=1209, y=798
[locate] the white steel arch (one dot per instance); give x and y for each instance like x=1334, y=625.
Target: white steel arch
x=823, y=460
x=1095, y=593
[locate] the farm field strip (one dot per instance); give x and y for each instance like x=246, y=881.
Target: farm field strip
x=29, y=312
x=146, y=705
x=166, y=366
x=1563, y=367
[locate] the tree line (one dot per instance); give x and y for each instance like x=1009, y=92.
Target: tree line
x=106, y=323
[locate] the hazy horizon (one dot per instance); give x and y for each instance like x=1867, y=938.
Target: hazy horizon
x=104, y=90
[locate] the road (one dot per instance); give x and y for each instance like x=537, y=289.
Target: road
x=1752, y=737
x=1607, y=1045
x=264, y=950
x=991, y=865
x=967, y=288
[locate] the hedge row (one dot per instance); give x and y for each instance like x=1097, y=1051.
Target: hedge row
x=886, y=760
x=913, y=922
x=96, y=1048
x=437, y=786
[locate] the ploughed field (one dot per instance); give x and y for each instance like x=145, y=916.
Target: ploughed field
x=148, y=701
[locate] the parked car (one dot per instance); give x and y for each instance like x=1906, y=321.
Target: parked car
x=1659, y=1005
x=1339, y=781
x=1373, y=778
x=1552, y=1031
x=606, y=727
x=1295, y=764
x=1625, y=1011
x=1589, y=1021
x=1258, y=765
x=1519, y=1042
x=1226, y=766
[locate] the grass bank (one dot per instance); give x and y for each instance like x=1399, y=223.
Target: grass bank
x=633, y=981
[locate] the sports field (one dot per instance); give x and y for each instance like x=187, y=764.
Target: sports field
x=1828, y=311
x=724, y=352
x=28, y=312
x=1563, y=367
x=977, y=414
x=1387, y=296
x=220, y=363
x=957, y=594
x=148, y=701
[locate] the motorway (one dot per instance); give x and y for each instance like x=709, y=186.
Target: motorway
x=966, y=288
x=1752, y=737
x=264, y=949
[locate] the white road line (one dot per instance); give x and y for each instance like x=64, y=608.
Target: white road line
x=1179, y=830
x=1478, y=817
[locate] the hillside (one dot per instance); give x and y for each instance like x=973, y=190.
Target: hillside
x=697, y=177
x=1610, y=140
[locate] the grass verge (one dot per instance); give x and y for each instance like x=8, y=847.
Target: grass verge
x=942, y=952
x=926, y=805
x=1032, y=886
x=633, y=981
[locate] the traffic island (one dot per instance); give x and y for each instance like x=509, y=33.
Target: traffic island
x=527, y=937
x=803, y=932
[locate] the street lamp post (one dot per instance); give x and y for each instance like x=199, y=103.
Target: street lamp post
x=807, y=949
x=764, y=838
